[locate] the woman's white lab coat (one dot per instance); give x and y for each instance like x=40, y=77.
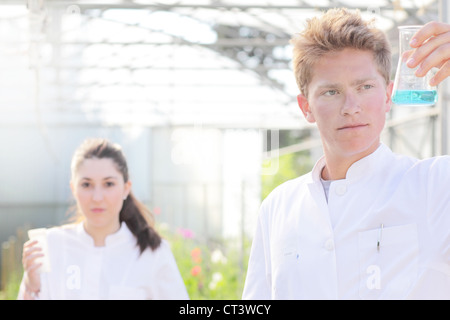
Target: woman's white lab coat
x=384, y=233
x=80, y=270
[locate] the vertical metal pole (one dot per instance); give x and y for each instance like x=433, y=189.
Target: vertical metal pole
x=243, y=221
x=206, y=231
x=444, y=88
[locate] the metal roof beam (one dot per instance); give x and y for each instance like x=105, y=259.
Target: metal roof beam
x=159, y=6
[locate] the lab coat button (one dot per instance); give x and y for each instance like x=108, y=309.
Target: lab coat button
x=329, y=245
x=341, y=190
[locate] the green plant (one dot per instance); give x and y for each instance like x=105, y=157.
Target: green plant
x=12, y=287
x=290, y=166
x=211, y=272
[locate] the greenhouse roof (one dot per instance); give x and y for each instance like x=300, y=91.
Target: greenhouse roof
x=223, y=64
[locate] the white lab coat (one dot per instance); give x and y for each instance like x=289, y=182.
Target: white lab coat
x=306, y=248
x=80, y=270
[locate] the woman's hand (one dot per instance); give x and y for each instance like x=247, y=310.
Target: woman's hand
x=32, y=279
x=432, y=49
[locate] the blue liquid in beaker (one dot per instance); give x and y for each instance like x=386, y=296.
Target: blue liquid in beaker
x=415, y=97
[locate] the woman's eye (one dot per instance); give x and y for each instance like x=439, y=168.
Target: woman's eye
x=109, y=184
x=85, y=185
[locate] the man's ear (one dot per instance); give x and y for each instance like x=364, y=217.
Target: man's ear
x=304, y=106
x=389, y=89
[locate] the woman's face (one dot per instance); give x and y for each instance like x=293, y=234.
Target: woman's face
x=99, y=189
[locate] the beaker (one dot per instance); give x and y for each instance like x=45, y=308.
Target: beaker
x=410, y=90
x=40, y=235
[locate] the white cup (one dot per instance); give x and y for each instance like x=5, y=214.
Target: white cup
x=40, y=235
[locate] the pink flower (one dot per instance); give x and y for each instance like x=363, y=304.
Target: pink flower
x=185, y=233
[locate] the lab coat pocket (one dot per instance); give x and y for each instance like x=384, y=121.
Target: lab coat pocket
x=285, y=269
x=388, y=270
x=126, y=293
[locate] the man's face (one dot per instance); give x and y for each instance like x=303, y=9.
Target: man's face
x=348, y=99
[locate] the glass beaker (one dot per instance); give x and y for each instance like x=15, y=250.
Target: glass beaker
x=410, y=90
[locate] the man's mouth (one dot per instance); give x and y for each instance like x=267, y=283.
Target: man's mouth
x=353, y=126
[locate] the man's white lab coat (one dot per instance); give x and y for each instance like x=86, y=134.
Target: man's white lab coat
x=384, y=233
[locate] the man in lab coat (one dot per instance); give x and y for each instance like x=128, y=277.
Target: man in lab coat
x=365, y=223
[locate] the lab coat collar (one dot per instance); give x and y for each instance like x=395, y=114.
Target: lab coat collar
x=122, y=235
x=362, y=168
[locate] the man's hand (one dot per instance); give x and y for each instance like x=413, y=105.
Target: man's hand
x=432, y=49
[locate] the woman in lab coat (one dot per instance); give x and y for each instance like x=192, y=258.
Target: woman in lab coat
x=113, y=252
x=365, y=223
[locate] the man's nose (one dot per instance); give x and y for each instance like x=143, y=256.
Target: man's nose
x=351, y=104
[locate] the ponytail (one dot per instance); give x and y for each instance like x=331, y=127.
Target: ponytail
x=139, y=220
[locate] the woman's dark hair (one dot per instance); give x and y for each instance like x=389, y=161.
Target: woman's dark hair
x=136, y=215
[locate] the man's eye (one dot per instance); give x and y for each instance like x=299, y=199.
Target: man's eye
x=367, y=86
x=330, y=93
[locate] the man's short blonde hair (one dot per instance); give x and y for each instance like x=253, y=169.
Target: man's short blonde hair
x=336, y=30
